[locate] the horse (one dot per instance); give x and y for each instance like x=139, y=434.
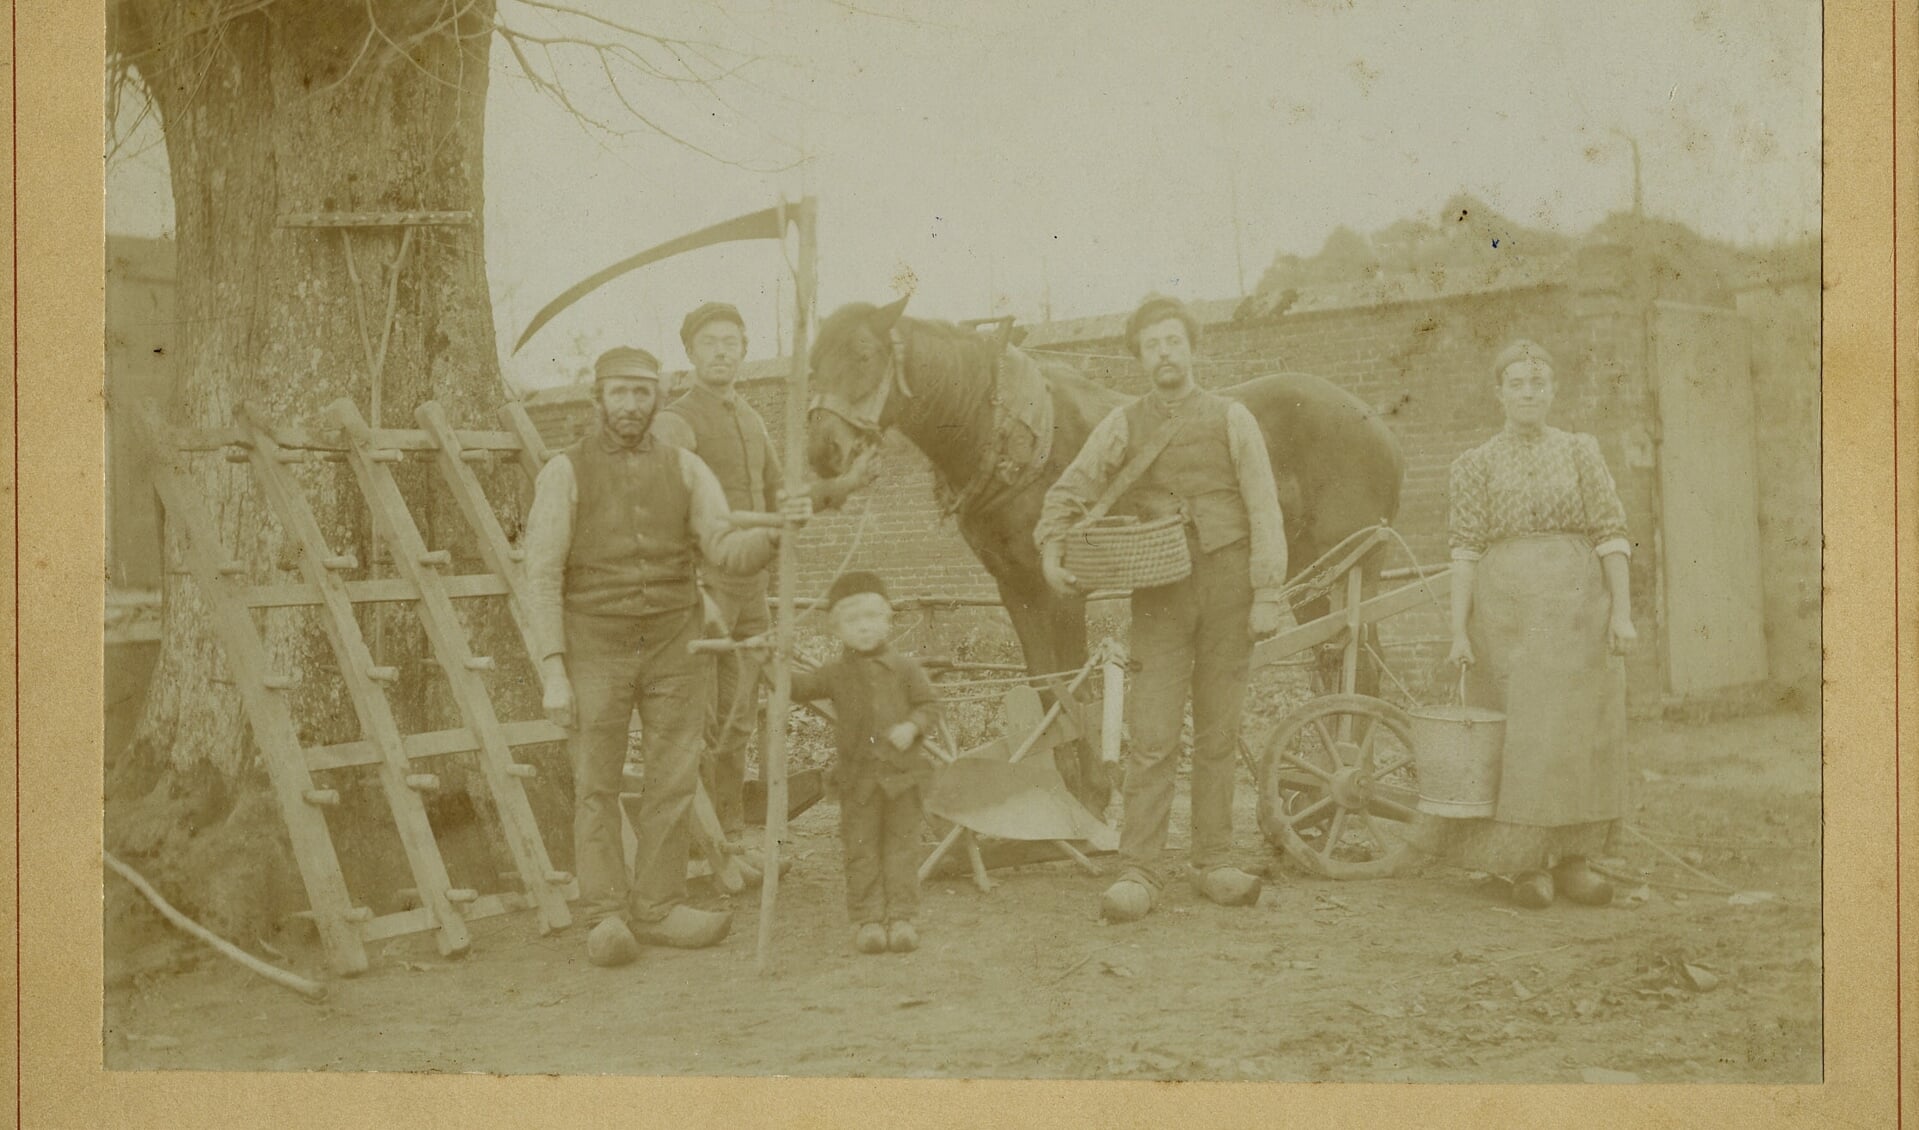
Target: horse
x=999, y=427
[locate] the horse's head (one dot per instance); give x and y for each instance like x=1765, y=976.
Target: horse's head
x=855, y=367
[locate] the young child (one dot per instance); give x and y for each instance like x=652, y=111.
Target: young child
x=883, y=704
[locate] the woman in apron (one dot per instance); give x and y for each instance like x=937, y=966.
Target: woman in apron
x=1541, y=613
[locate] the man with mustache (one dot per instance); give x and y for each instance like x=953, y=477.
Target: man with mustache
x=618, y=526
x=714, y=422
x=1192, y=638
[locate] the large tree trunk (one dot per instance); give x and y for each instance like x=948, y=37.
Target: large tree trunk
x=303, y=106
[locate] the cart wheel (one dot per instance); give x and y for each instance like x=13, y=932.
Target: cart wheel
x=1336, y=787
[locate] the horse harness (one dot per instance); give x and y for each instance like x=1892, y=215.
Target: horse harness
x=1021, y=436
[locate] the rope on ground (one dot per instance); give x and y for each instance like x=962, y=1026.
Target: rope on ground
x=311, y=990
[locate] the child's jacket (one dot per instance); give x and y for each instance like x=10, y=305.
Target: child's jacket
x=871, y=693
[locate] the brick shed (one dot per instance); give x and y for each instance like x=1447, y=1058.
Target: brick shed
x=1656, y=362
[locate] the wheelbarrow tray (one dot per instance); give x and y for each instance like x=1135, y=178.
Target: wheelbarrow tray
x=1023, y=800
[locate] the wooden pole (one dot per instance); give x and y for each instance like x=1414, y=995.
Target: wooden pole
x=782, y=697
x=311, y=990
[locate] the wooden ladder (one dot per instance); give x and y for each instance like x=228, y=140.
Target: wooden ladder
x=402, y=762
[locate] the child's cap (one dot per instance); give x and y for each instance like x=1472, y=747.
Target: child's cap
x=853, y=584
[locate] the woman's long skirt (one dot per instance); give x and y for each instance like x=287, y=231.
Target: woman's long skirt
x=1539, y=633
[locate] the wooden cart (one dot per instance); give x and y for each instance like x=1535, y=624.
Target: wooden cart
x=1337, y=791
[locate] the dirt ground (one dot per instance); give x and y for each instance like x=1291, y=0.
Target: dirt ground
x=1430, y=977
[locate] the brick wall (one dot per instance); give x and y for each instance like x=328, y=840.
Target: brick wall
x=1426, y=366
x=1423, y=362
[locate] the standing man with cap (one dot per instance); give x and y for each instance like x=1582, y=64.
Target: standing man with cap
x=714, y=422
x=1192, y=638
x=618, y=524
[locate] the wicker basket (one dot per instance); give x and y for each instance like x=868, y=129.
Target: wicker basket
x=1124, y=553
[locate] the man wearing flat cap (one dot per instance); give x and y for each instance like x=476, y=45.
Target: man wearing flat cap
x=714, y=422
x=1192, y=638
x=619, y=525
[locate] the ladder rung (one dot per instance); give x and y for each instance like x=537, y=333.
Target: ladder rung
x=232, y=568
x=292, y=455
x=480, y=663
x=321, y=798
x=462, y=895
x=423, y=782
x=358, y=914
x=342, y=561
x=386, y=455
x=280, y=682
x=522, y=769
x=476, y=455
x=559, y=878
x=383, y=674
x=436, y=557
x=238, y=455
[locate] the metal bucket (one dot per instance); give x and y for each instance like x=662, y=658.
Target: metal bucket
x=1456, y=753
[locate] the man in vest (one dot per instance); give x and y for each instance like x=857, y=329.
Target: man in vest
x=714, y=422
x=618, y=526
x=1192, y=638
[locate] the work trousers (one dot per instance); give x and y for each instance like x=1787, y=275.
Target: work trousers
x=1190, y=638
x=616, y=664
x=733, y=707
x=881, y=837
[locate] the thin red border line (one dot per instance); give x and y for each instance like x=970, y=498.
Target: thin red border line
x=1898, y=631
x=19, y=1044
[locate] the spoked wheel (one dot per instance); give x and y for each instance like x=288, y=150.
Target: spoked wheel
x=1336, y=787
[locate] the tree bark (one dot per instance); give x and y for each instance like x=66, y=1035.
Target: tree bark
x=307, y=106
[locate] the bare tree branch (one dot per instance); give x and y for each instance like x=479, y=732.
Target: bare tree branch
x=627, y=29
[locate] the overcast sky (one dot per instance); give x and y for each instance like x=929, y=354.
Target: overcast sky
x=1005, y=154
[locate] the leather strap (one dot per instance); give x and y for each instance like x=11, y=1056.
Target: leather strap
x=1134, y=468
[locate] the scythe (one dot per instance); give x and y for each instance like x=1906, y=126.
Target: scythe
x=768, y=223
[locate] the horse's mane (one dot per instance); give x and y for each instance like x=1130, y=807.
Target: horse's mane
x=841, y=321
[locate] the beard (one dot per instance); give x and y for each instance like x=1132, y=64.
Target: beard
x=628, y=427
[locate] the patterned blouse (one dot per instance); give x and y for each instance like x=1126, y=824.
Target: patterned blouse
x=1553, y=482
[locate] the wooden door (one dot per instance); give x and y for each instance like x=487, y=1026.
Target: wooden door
x=1713, y=595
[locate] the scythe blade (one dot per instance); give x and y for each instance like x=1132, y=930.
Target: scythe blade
x=765, y=224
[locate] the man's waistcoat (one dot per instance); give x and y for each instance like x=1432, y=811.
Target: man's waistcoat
x=732, y=442
x=1194, y=474
x=633, y=553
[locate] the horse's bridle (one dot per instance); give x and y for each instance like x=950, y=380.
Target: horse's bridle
x=864, y=415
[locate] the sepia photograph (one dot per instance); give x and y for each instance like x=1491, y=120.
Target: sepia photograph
x=1237, y=542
